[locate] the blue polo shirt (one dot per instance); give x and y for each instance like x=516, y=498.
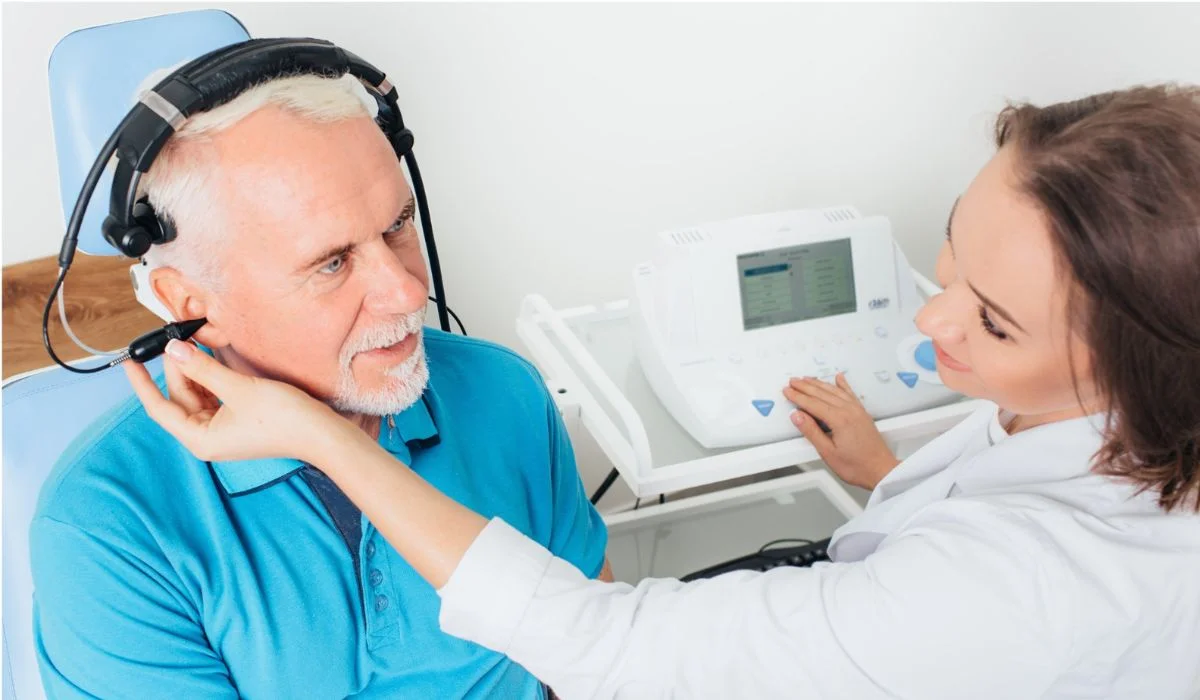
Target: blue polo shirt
x=160, y=575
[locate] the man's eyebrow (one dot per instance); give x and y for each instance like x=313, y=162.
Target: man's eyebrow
x=327, y=254
x=406, y=214
x=409, y=210
x=997, y=308
x=337, y=251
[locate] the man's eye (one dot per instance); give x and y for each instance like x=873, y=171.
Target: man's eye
x=333, y=266
x=396, y=227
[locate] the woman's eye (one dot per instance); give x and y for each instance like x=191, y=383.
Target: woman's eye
x=986, y=321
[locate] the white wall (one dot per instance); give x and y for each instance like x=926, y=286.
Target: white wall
x=555, y=139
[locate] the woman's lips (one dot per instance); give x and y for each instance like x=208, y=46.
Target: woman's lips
x=947, y=361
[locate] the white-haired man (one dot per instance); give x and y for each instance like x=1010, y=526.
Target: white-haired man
x=159, y=575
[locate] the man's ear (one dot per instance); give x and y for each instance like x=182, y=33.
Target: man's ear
x=187, y=300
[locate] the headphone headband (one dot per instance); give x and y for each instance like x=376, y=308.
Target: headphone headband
x=209, y=82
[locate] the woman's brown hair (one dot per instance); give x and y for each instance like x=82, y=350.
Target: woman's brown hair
x=1117, y=177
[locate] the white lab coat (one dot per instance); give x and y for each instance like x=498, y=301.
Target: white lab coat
x=1036, y=579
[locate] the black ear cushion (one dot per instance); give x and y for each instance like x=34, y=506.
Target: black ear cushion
x=134, y=242
x=166, y=228
x=147, y=219
x=402, y=142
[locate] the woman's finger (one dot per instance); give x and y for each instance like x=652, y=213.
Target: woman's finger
x=181, y=390
x=815, y=406
x=816, y=387
x=844, y=385
x=205, y=371
x=809, y=428
x=170, y=416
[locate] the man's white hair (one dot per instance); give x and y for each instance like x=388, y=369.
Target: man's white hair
x=179, y=183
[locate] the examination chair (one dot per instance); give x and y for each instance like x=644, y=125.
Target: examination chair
x=93, y=75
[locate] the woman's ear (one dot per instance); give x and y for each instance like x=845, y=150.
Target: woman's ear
x=186, y=300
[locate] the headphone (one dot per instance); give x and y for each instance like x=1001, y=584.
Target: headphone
x=133, y=227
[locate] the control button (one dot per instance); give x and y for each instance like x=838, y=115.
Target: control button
x=819, y=359
x=828, y=376
x=925, y=357
x=881, y=332
x=909, y=378
x=371, y=549
x=735, y=359
x=763, y=406
x=381, y=603
x=376, y=577
x=883, y=376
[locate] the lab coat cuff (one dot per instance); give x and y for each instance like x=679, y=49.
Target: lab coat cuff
x=487, y=595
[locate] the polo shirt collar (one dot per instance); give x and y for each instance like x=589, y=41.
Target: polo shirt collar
x=397, y=432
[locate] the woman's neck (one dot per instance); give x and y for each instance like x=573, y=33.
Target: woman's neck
x=1022, y=422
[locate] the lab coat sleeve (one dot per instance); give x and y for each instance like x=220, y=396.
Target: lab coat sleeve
x=946, y=610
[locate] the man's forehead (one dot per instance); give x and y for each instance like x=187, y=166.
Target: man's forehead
x=290, y=189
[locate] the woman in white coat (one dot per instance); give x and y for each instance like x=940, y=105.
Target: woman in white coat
x=1047, y=547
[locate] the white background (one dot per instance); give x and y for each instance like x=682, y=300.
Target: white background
x=556, y=139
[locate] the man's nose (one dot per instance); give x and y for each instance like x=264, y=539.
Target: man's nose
x=393, y=289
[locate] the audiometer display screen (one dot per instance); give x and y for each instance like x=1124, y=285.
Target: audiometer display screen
x=797, y=283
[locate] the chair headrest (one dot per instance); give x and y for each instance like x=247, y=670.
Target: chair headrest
x=93, y=75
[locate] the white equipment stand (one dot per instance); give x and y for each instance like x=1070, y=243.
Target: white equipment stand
x=587, y=357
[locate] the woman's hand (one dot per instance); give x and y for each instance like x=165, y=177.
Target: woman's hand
x=220, y=414
x=853, y=449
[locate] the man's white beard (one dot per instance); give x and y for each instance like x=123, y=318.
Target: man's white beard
x=405, y=382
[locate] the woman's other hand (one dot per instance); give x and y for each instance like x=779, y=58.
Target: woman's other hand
x=854, y=449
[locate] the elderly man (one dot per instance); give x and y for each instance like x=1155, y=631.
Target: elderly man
x=160, y=575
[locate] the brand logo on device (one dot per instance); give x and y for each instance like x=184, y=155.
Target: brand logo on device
x=877, y=304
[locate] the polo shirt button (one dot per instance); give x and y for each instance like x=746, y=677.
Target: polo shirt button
x=371, y=549
x=381, y=603
x=376, y=577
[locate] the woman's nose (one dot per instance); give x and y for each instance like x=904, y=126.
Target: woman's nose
x=941, y=319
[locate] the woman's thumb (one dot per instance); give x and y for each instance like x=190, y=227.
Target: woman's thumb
x=809, y=428
x=202, y=369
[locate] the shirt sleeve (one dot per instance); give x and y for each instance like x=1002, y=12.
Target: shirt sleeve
x=109, y=624
x=941, y=612
x=578, y=534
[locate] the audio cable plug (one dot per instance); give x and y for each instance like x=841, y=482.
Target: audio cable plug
x=152, y=344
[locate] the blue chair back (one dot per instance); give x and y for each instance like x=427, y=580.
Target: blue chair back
x=93, y=75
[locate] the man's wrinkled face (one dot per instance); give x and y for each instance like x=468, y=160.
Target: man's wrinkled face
x=325, y=285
